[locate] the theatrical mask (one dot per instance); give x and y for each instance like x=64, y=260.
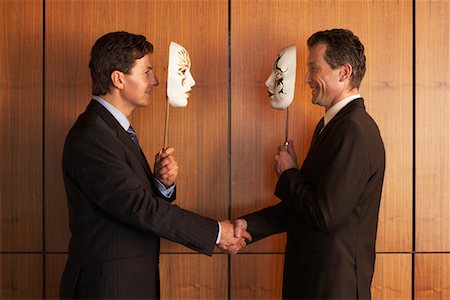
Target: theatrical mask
x=281, y=82
x=179, y=77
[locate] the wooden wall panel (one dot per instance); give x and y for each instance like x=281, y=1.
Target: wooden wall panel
x=392, y=278
x=69, y=36
x=261, y=278
x=194, y=276
x=257, y=129
x=432, y=276
x=21, y=276
x=386, y=27
x=432, y=126
x=21, y=125
x=259, y=29
x=54, y=267
x=198, y=132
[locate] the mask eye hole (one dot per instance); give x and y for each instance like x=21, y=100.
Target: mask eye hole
x=278, y=75
x=182, y=73
x=184, y=63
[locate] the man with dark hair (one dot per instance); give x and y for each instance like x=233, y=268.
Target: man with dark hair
x=329, y=206
x=118, y=207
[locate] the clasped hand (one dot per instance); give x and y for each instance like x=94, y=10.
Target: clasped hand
x=234, y=236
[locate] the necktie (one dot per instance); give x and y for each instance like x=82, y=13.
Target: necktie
x=133, y=135
x=317, y=131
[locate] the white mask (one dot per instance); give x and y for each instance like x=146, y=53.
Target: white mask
x=281, y=82
x=179, y=77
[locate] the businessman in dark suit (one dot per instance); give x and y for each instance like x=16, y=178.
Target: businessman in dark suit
x=118, y=208
x=329, y=206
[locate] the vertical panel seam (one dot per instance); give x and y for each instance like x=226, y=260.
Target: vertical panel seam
x=413, y=147
x=44, y=267
x=229, y=142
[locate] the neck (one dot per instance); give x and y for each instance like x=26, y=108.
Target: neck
x=341, y=97
x=118, y=103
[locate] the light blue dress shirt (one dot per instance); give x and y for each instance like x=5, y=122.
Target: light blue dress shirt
x=123, y=121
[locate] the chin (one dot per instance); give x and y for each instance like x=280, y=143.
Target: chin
x=179, y=103
x=318, y=102
x=278, y=104
x=144, y=102
x=315, y=100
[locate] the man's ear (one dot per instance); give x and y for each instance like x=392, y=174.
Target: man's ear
x=346, y=72
x=117, y=79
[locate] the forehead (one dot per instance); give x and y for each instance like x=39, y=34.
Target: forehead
x=316, y=53
x=143, y=62
x=183, y=57
x=178, y=58
x=285, y=57
x=176, y=52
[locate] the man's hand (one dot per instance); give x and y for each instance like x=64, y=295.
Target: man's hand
x=166, y=167
x=285, y=159
x=229, y=242
x=240, y=230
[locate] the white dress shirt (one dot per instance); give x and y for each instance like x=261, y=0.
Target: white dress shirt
x=337, y=108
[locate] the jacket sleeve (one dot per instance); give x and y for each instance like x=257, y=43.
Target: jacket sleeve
x=340, y=184
x=97, y=162
x=267, y=221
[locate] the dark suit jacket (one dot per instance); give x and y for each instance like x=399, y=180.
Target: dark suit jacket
x=330, y=210
x=117, y=214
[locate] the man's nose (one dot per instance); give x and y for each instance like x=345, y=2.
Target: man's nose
x=154, y=80
x=307, y=78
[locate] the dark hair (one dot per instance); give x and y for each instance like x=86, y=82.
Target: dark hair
x=115, y=51
x=343, y=47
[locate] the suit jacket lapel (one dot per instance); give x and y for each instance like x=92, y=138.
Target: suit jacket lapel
x=357, y=103
x=317, y=140
x=121, y=133
x=317, y=131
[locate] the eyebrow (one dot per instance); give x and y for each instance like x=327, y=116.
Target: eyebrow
x=275, y=63
x=147, y=67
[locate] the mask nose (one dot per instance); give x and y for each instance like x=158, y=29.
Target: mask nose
x=270, y=82
x=189, y=79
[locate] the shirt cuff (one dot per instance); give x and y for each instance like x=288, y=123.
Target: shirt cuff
x=167, y=192
x=219, y=234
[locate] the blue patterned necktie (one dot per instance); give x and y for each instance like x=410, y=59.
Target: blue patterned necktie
x=133, y=135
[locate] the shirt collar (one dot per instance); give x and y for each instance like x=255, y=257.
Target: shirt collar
x=120, y=117
x=337, y=107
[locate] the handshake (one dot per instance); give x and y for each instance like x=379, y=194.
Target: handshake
x=234, y=236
